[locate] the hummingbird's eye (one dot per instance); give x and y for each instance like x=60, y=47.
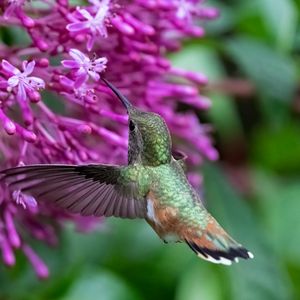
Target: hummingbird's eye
x=131, y=126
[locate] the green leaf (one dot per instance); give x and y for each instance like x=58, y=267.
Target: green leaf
x=199, y=283
x=102, y=285
x=281, y=18
x=14, y=35
x=272, y=73
x=224, y=22
x=249, y=19
x=274, y=21
x=261, y=278
x=277, y=148
x=278, y=200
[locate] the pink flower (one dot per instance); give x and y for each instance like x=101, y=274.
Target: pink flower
x=84, y=67
x=24, y=83
x=95, y=25
x=24, y=200
x=13, y=5
x=39, y=266
x=86, y=124
x=184, y=9
x=97, y=4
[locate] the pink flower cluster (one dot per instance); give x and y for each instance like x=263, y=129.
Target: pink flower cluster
x=54, y=109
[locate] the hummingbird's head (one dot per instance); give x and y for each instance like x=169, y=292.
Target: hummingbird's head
x=149, y=137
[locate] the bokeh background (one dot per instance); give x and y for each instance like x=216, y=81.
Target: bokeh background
x=251, y=56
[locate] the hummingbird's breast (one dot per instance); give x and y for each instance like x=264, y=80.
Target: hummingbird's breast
x=173, y=206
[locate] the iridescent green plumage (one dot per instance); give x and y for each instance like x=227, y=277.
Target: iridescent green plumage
x=154, y=137
x=152, y=186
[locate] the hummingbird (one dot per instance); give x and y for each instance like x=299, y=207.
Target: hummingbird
x=153, y=186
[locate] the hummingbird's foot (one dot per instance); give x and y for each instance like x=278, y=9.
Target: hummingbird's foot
x=171, y=238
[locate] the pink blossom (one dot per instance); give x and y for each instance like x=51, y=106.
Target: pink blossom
x=95, y=25
x=24, y=200
x=90, y=125
x=13, y=6
x=84, y=66
x=25, y=84
x=184, y=9
x=38, y=265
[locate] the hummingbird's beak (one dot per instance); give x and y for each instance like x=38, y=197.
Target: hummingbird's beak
x=123, y=99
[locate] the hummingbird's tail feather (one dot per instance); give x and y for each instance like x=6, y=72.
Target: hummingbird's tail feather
x=216, y=246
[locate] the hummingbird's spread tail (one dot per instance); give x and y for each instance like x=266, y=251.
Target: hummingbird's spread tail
x=216, y=246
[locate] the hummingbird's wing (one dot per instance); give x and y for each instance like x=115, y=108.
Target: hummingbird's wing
x=87, y=189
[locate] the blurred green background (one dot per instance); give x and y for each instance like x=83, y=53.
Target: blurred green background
x=251, y=56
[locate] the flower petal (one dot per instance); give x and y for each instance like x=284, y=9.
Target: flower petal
x=90, y=43
x=94, y=75
x=78, y=26
x=71, y=64
x=10, y=11
x=100, y=60
x=101, y=29
x=79, y=56
x=36, y=82
x=28, y=67
x=85, y=14
x=24, y=65
x=21, y=95
x=100, y=64
x=66, y=81
x=13, y=81
x=81, y=71
x=102, y=12
x=80, y=80
x=8, y=67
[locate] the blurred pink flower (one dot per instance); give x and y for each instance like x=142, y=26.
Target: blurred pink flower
x=13, y=6
x=24, y=83
x=24, y=200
